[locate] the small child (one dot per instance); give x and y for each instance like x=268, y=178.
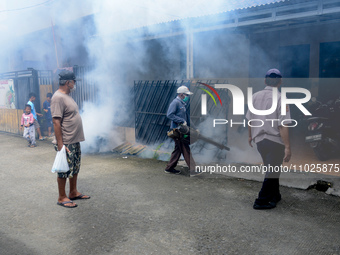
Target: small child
x=27, y=120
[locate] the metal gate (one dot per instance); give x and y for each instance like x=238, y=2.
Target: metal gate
x=28, y=81
x=152, y=99
x=86, y=86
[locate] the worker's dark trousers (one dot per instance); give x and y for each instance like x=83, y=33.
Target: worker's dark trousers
x=272, y=154
x=181, y=147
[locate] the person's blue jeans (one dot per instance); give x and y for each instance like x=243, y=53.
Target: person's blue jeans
x=272, y=154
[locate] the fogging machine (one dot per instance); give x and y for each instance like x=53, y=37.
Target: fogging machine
x=183, y=131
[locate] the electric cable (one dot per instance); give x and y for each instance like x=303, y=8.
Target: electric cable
x=27, y=7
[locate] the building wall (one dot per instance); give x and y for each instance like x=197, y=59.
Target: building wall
x=268, y=44
x=296, y=52
x=221, y=54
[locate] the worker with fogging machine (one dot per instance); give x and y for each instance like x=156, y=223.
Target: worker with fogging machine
x=179, y=116
x=180, y=130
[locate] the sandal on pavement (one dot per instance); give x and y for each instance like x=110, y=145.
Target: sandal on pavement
x=42, y=138
x=81, y=196
x=63, y=204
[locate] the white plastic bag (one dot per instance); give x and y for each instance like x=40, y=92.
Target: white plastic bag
x=60, y=164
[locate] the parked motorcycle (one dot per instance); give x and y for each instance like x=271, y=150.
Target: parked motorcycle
x=324, y=129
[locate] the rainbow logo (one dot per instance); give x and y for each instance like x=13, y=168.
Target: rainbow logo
x=209, y=93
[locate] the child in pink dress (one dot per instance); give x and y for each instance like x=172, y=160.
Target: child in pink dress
x=27, y=120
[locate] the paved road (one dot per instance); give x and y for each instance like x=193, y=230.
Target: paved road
x=137, y=209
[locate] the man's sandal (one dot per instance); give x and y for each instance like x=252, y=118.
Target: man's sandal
x=81, y=196
x=63, y=204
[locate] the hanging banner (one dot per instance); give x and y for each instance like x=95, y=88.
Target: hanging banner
x=7, y=94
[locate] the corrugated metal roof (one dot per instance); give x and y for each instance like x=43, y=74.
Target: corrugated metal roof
x=209, y=7
x=177, y=10
x=131, y=14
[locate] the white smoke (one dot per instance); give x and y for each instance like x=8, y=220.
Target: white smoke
x=119, y=60
x=118, y=54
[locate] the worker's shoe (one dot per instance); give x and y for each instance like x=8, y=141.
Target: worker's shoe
x=172, y=171
x=264, y=206
x=194, y=173
x=276, y=199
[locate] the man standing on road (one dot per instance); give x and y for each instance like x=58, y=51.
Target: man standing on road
x=272, y=139
x=179, y=115
x=68, y=129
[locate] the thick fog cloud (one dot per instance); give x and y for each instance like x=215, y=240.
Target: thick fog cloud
x=118, y=60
